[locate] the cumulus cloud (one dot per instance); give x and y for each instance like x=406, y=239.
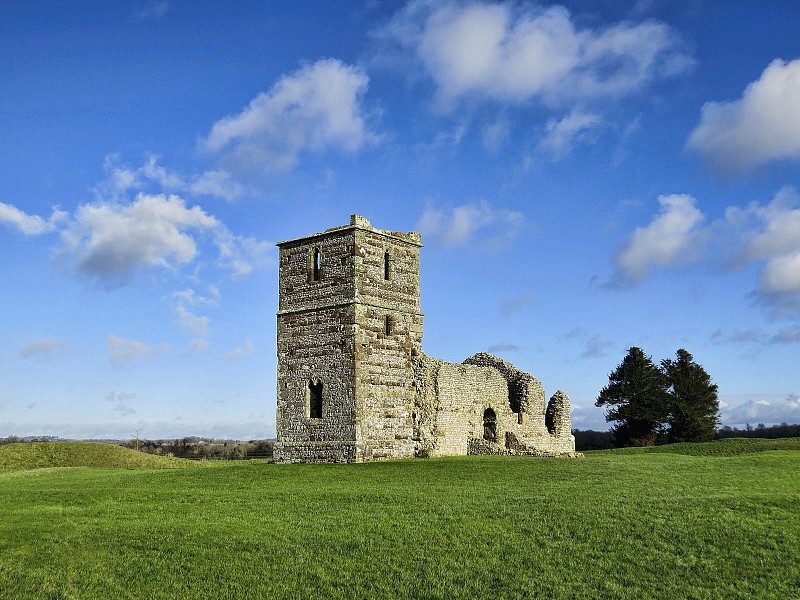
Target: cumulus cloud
x=191, y=298
x=194, y=323
x=562, y=134
x=111, y=241
x=672, y=237
x=30, y=224
x=218, y=184
x=508, y=53
x=188, y=320
x=462, y=225
x=47, y=347
x=312, y=109
x=763, y=408
x=240, y=352
x=152, y=177
x=772, y=234
x=124, y=351
x=762, y=125
x=765, y=235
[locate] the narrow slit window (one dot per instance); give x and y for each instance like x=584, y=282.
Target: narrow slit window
x=388, y=325
x=315, y=399
x=489, y=425
x=316, y=265
x=387, y=272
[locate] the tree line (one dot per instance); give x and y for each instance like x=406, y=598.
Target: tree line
x=648, y=403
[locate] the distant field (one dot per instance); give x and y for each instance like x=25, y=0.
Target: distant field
x=714, y=522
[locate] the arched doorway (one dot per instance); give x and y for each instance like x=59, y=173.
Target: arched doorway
x=490, y=425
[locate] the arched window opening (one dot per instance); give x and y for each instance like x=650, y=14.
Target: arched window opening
x=316, y=265
x=315, y=399
x=489, y=425
x=386, y=266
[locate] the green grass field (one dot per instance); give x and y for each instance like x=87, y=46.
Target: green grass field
x=711, y=522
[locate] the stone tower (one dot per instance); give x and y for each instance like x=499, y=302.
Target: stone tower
x=349, y=329
x=353, y=381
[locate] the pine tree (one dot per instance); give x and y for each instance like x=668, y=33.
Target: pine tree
x=694, y=406
x=637, y=399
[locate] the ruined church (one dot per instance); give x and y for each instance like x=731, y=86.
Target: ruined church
x=353, y=381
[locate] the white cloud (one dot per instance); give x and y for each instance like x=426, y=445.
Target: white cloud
x=671, y=237
x=504, y=52
x=192, y=298
x=315, y=108
x=764, y=408
x=195, y=323
x=124, y=351
x=46, y=347
x=494, y=134
x=562, y=134
x=244, y=350
x=771, y=235
x=154, y=178
x=154, y=9
x=218, y=184
x=763, y=125
x=461, y=225
x=243, y=254
x=30, y=224
x=111, y=241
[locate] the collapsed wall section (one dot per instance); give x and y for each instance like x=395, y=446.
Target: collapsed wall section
x=469, y=408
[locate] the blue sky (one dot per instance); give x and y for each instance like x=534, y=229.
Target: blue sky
x=587, y=176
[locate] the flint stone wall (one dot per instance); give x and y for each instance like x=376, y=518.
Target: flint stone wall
x=349, y=323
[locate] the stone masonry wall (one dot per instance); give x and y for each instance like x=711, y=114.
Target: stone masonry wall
x=316, y=341
x=353, y=381
x=389, y=334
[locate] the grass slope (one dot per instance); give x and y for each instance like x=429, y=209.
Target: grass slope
x=647, y=525
x=39, y=455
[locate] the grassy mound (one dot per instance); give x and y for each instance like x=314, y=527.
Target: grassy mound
x=41, y=455
x=724, y=447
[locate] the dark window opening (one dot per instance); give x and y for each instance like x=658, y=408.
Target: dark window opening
x=388, y=325
x=316, y=266
x=315, y=399
x=489, y=425
x=515, y=395
x=386, y=268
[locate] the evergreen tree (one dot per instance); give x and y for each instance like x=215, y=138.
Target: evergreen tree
x=694, y=407
x=637, y=400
